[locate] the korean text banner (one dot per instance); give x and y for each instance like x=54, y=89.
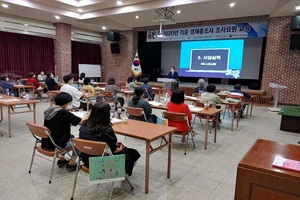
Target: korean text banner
x=240, y=30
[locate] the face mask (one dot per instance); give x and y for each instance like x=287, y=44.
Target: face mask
x=172, y=70
x=7, y=79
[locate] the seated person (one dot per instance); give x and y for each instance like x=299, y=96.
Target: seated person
x=173, y=87
x=7, y=86
x=99, y=128
x=211, y=98
x=238, y=92
x=58, y=120
x=87, y=87
x=75, y=93
x=81, y=77
x=201, y=88
x=41, y=77
x=176, y=104
x=130, y=83
x=148, y=89
x=111, y=86
x=50, y=82
x=138, y=102
x=32, y=80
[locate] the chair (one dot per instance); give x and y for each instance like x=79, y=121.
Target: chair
x=180, y=117
x=39, y=132
x=235, y=106
x=52, y=94
x=94, y=148
x=211, y=120
x=109, y=97
x=45, y=88
x=136, y=112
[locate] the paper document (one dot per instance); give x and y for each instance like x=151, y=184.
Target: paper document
x=79, y=113
x=115, y=120
x=195, y=109
x=155, y=103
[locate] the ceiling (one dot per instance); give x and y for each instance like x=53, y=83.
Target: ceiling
x=98, y=13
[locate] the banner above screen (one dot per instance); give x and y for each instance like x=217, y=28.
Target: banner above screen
x=240, y=30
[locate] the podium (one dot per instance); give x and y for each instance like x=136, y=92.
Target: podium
x=277, y=88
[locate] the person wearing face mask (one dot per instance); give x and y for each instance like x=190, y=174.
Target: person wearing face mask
x=41, y=77
x=7, y=85
x=172, y=73
x=50, y=82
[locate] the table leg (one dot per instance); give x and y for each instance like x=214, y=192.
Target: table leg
x=206, y=132
x=1, y=113
x=251, y=108
x=169, y=155
x=247, y=110
x=216, y=125
x=232, y=119
x=34, y=113
x=9, y=120
x=147, y=167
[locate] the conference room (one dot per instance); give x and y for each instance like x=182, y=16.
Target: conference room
x=251, y=43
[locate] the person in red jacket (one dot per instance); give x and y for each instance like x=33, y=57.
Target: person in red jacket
x=176, y=104
x=31, y=79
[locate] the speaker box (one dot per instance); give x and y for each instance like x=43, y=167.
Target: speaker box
x=295, y=42
x=253, y=86
x=115, y=47
x=113, y=36
x=295, y=23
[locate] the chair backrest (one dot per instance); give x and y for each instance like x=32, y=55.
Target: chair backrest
x=43, y=85
x=137, y=112
x=38, y=130
x=175, y=117
x=196, y=94
x=90, y=147
x=201, y=104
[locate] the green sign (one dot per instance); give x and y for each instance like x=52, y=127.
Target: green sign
x=104, y=169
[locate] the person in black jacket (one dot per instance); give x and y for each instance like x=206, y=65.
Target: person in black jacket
x=58, y=120
x=99, y=128
x=172, y=73
x=50, y=82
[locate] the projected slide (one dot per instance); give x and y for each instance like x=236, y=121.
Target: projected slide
x=213, y=58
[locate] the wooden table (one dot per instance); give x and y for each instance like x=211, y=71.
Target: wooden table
x=99, y=84
x=207, y=113
x=89, y=96
x=19, y=87
x=148, y=132
x=257, y=179
x=10, y=102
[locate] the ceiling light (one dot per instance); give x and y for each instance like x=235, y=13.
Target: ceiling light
x=79, y=9
x=4, y=5
x=25, y=24
x=57, y=17
x=178, y=12
x=103, y=27
x=137, y=17
x=297, y=7
x=119, y=3
x=232, y=5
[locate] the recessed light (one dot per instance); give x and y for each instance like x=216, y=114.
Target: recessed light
x=137, y=17
x=232, y=5
x=297, y=7
x=119, y=3
x=25, y=24
x=103, y=27
x=178, y=11
x=57, y=17
x=4, y=5
x=79, y=9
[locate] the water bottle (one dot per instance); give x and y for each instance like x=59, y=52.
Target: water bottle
x=112, y=112
x=119, y=111
x=7, y=92
x=26, y=96
x=79, y=87
x=23, y=94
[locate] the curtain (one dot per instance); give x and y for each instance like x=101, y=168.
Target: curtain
x=84, y=53
x=21, y=54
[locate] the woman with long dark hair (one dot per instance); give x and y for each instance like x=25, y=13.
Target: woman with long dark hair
x=99, y=128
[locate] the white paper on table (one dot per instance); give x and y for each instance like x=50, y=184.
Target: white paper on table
x=155, y=103
x=79, y=113
x=115, y=120
x=195, y=109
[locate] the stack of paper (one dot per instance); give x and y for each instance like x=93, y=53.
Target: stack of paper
x=155, y=103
